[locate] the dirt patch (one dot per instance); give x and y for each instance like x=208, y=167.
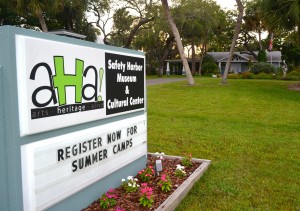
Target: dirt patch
x=294, y=87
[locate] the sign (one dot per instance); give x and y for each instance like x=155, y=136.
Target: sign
x=124, y=75
x=55, y=168
x=51, y=90
x=62, y=84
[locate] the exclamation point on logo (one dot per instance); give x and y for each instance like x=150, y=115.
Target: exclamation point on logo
x=101, y=72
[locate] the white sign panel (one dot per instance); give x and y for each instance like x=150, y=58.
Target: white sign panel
x=61, y=84
x=55, y=168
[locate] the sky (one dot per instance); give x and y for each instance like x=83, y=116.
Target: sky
x=228, y=4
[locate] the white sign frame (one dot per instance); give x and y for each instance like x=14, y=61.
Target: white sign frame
x=47, y=181
x=31, y=51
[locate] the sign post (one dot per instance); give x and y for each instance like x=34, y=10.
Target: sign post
x=73, y=117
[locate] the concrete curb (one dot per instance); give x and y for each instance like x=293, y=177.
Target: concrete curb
x=176, y=197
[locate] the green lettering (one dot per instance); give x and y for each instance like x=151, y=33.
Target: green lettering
x=61, y=80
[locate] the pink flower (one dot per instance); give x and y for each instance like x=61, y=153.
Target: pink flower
x=119, y=209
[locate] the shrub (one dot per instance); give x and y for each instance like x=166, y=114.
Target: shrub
x=246, y=75
x=146, y=174
x=297, y=70
x=232, y=76
x=109, y=199
x=187, y=160
x=293, y=75
x=165, y=183
x=179, y=172
x=210, y=68
x=130, y=185
x=147, y=195
x=264, y=76
x=262, y=67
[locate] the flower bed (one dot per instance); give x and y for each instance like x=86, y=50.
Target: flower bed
x=158, y=192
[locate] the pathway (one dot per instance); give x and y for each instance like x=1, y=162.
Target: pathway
x=163, y=81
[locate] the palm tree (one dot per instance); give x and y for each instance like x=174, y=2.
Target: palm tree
x=254, y=19
x=178, y=41
x=235, y=36
x=34, y=6
x=284, y=14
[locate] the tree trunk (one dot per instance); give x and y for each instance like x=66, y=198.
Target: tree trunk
x=42, y=21
x=299, y=34
x=203, y=53
x=235, y=36
x=200, y=64
x=169, y=43
x=250, y=51
x=176, y=34
x=135, y=29
x=259, y=38
x=298, y=65
x=193, y=58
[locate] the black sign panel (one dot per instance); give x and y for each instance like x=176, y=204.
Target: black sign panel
x=125, y=78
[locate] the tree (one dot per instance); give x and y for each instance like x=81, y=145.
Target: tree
x=22, y=7
x=129, y=19
x=222, y=34
x=262, y=56
x=253, y=19
x=247, y=41
x=157, y=41
x=68, y=12
x=63, y=14
x=178, y=41
x=71, y=15
x=235, y=36
x=102, y=14
x=9, y=16
x=291, y=54
x=252, y=27
x=197, y=20
x=282, y=14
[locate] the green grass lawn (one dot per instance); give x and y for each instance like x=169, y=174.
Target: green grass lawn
x=250, y=129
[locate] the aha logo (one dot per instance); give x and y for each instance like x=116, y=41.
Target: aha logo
x=59, y=82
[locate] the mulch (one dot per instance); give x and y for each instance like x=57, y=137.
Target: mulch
x=130, y=201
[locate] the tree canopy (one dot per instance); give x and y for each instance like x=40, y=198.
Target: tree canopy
x=140, y=24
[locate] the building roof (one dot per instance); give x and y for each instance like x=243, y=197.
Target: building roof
x=274, y=56
x=66, y=33
x=241, y=57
